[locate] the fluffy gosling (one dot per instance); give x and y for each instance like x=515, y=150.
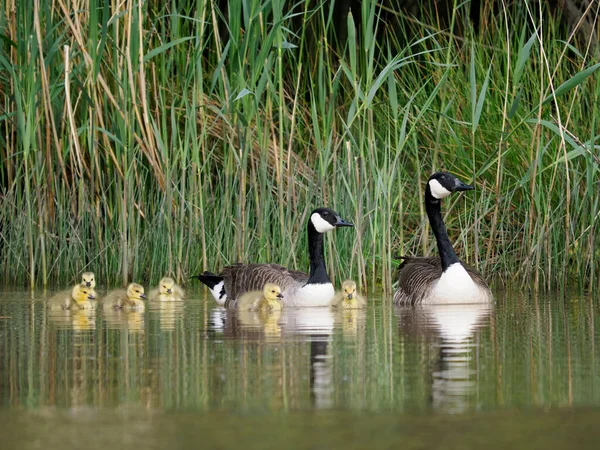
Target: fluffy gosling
x=88, y=279
x=167, y=290
x=77, y=298
x=267, y=300
x=348, y=297
x=130, y=300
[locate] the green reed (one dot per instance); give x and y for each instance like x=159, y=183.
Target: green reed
x=174, y=138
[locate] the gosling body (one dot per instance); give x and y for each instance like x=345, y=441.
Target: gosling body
x=269, y=299
x=167, y=290
x=348, y=297
x=130, y=299
x=79, y=297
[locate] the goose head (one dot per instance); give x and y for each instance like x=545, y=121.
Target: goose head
x=272, y=293
x=135, y=292
x=88, y=279
x=442, y=184
x=167, y=286
x=325, y=219
x=81, y=293
x=349, y=290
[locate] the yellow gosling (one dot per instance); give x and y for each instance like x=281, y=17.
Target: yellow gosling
x=88, y=279
x=130, y=300
x=167, y=290
x=76, y=298
x=267, y=300
x=81, y=297
x=348, y=297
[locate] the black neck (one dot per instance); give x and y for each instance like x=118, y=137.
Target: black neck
x=434, y=212
x=318, y=272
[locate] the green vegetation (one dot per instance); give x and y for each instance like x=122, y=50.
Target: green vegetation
x=172, y=137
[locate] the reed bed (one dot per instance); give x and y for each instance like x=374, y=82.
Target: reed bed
x=144, y=138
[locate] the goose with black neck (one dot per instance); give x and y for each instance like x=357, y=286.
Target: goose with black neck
x=298, y=288
x=443, y=279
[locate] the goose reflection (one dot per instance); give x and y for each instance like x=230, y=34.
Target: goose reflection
x=450, y=329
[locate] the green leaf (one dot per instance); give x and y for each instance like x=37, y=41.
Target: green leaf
x=572, y=82
x=158, y=50
x=523, y=57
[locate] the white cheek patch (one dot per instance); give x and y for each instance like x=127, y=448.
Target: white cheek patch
x=320, y=224
x=437, y=190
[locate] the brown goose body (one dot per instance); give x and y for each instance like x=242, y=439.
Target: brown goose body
x=416, y=275
x=241, y=278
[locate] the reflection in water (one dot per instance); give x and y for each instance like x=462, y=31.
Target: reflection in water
x=450, y=328
x=169, y=312
x=194, y=356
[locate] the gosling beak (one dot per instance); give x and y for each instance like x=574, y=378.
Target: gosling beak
x=460, y=186
x=169, y=291
x=88, y=284
x=349, y=296
x=280, y=295
x=339, y=222
x=91, y=296
x=143, y=296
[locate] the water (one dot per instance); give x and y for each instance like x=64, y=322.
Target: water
x=523, y=373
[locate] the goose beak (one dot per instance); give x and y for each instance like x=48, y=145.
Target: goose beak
x=339, y=222
x=460, y=186
x=280, y=295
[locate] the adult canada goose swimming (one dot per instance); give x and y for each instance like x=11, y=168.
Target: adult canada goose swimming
x=167, y=290
x=444, y=279
x=348, y=297
x=77, y=298
x=130, y=300
x=298, y=289
x=269, y=299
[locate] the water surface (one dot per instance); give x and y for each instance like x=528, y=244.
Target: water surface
x=522, y=373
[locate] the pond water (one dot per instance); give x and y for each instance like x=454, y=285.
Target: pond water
x=522, y=373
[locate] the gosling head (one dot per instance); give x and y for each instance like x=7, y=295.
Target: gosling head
x=442, y=184
x=349, y=289
x=81, y=293
x=323, y=220
x=88, y=279
x=167, y=286
x=272, y=292
x=135, y=292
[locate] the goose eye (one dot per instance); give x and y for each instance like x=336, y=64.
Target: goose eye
x=325, y=214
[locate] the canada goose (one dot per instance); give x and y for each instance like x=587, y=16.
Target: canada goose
x=269, y=299
x=130, y=300
x=443, y=279
x=77, y=298
x=298, y=288
x=167, y=290
x=348, y=297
